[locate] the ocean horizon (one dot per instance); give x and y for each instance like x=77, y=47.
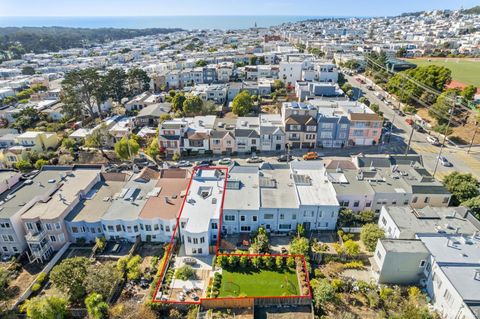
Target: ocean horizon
x=142, y=22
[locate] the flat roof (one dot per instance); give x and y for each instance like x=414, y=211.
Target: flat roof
x=97, y=201
x=283, y=195
x=312, y=185
x=450, y=249
x=204, y=200
x=431, y=220
x=68, y=189
x=404, y=246
x=243, y=191
x=15, y=199
x=172, y=187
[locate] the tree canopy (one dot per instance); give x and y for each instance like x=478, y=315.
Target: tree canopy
x=462, y=186
x=370, y=234
x=242, y=104
x=192, y=105
x=46, y=307
x=97, y=308
x=126, y=148
x=69, y=277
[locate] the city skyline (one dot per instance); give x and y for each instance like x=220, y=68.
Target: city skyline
x=106, y=8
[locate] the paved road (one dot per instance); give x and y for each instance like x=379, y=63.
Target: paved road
x=461, y=161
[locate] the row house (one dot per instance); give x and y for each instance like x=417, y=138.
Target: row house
x=272, y=132
x=171, y=135
x=300, y=124
x=141, y=101
x=365, y=128
x=216, y=93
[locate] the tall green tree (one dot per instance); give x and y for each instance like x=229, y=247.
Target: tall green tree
x=126, y=148
x=441, y=109
x=370, y=234
x=83, y=91
x=192, y=105
x=46, y=307
x=99, y=138
x=101, y=278
x=138, y=81
x=69, y=277
x=469, y=92
x=97, y=308
x=26, y=118
x=177, y=101
x=462, y=186
x=116, y=84
x=242, y=104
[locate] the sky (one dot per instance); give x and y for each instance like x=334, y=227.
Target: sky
x=362, y=8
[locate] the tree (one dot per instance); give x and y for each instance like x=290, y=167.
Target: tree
x=201, y=63
x=257, y=262
x=68, y=143
x=279, y=262
x=138, y=81
x=192, y=105
x=299, y=246
x=290, y=262
x=176, y=156
x=267, y=261
x=277, y=85
x=177, y=101
x=370, y=234
x=82, y=91
x=4, y=280
x=222, y=261
x=26, y=118
x=243, y=262
x=97, y=308
x=23, y=165
x=126, y=148
x=346, y=217
x=260, y=242
x=469, y=92
x=40, y=163
x=165, y=117
x=116, y=84
x=69, y=277
x=28, y=70
x=46, y=307
x=154, y=149
x=366, y=217
x=462, y=186
x=474, y=205
x=401, y=52
x=323, y=293
x=184, y=273
x=242, y=104
x=351, y=248
x=441, y=109
x=101, y=278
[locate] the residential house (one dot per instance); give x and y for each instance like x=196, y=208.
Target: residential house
x=272, y=133
x=150, y=115
x=171, y=134
x=141, y=101
x=300, y=124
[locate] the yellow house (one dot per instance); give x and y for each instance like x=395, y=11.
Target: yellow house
x=26, y=142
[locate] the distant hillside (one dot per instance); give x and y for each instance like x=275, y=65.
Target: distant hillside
x=474, y=10
x=15, y=41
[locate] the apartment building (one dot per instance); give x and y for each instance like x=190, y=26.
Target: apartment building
x=300, y=124
x=272, y=133
x=171, y=134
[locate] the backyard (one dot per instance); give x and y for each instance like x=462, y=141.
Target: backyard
x=257, y=283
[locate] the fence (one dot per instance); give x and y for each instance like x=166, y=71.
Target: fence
x=283, y=301
x=354, y=230
x=224, y=303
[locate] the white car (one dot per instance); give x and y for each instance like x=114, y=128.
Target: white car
x=254, y=159
x=444, y=161
x=433, y=140
x=183, y=164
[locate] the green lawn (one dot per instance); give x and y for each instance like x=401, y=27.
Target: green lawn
x=259, y=283
x=465, y=71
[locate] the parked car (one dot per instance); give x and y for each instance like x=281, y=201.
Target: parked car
x=369, y=87
x=310, y=156
x=444, y=161
x=225, y=161
x=254, y=159
x=6, y=258
x=183, y=163
x=419, y=128
x=284, y=158
x=433, y=140
x=204, y=163
x=360, y=80
x=399, y=112
x=409, y=121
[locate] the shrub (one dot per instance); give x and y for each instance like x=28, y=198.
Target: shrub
x=353, y=265
x=184, y=273
x=279, y=262
x=36, y=287
x=233, y=260
x=222, y=261
x=267, y=261
x=244, y=261
x=319, y=274
x=338, y=284
x=257, y=262
x=290, y=262
x=370, y=234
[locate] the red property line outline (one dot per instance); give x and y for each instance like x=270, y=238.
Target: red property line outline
x=217, y=249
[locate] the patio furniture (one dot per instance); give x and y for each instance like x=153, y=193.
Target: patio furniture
x=189, y=261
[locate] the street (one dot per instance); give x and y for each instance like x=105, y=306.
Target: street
x=461, y=160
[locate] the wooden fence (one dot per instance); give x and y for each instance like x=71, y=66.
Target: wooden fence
x=230, y=303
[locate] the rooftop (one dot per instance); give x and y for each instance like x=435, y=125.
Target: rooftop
x=243, y=190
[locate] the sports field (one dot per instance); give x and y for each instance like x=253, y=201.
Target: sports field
x=463, y=70
x=259, y=283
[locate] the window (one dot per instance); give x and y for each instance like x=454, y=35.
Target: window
x=414, y=199
x=285, y=226
x=422, y=263
x=189, y=239
x=148, y=227
x=53, y=238
x=202, y=240
x=48, y=226
x=230, y=218
x=446, y=200
x=161, y=227
x=379, y=254
x=245, y=228
x=214, y=226
x=110, y=228
x=195, y=240
x=268, y=216
x=426, y=200
x=294, y=216
x=118, y=227
x=57, y=226
x=368, y=204
x=324, y=135
x=155, y=227
x=405, y=202
x=141, y=226
x=384, y=221
x=167, y=228
x=5, y=249
x=15, y=249
x=74, y=230
x=242, y=218
x=356, y=203
x=254, y=218
x=199, y=250
x=282, y=216
x=5, y=225
x=29, y=226
x=5, y=238
x=135, y=228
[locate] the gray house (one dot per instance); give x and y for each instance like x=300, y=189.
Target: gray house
x=332, y=129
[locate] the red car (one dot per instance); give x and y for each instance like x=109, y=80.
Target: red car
x=409, y=121
x=360, y=80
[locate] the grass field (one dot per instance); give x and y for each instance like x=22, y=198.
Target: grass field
x=259, y=283
x=463, y=70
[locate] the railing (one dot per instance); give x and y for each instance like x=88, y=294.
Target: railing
x=36, y=237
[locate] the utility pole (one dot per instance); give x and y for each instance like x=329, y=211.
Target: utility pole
x=473, y=137
x=452, y=110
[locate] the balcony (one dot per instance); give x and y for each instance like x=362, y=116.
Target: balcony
x=294, y=138
x=37, y=236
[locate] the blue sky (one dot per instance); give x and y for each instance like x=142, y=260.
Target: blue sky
x=223, y=7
